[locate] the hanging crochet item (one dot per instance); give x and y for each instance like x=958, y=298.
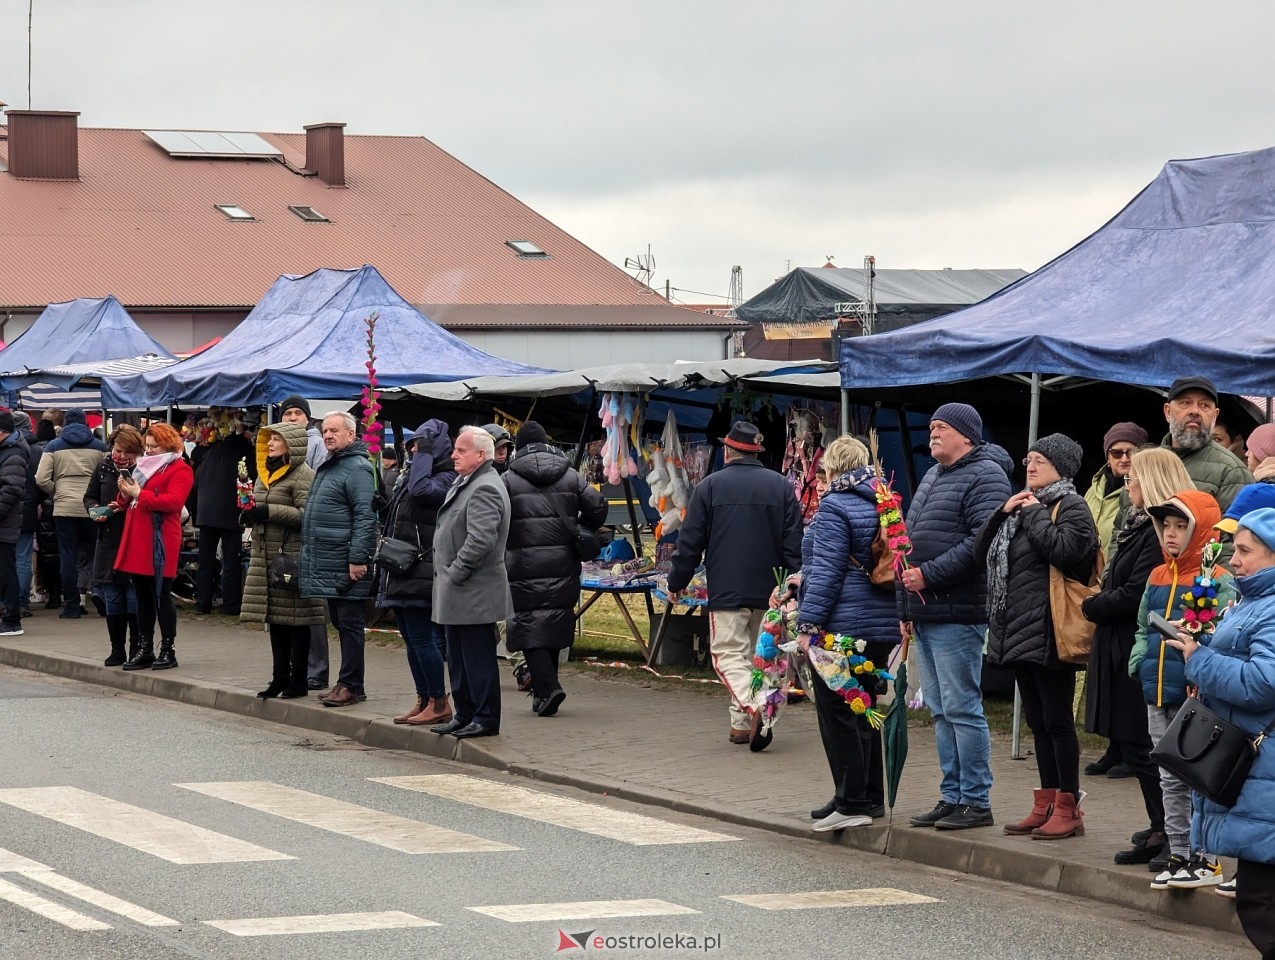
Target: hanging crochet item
x=618, y=412
x=670, y=487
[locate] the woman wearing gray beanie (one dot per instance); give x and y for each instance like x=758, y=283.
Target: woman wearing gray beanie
x=1046, y=525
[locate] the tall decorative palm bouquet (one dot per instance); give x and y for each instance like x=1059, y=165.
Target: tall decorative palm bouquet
x=373, y=429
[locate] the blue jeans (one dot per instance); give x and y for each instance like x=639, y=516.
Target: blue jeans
x=118, y=598
x=23, y=550
x=424, y=641
x=949, y=657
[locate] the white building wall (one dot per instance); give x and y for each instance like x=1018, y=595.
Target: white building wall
x=572, y=350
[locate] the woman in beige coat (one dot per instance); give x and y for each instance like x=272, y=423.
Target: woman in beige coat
x=283, y=483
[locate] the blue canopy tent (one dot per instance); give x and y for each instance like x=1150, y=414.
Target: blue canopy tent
x=72, y=338
x=307, y=336
x=1181, y=280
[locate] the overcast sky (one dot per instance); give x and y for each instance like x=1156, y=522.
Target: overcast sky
x=751, y=132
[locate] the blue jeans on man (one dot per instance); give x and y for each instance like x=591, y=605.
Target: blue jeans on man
x=949, y=659
x=23, y=549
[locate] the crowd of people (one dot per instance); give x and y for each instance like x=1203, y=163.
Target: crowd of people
x=484, y=529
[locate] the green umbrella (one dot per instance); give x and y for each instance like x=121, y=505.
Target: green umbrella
x=894, y=732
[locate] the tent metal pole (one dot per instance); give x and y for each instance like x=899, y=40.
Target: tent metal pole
x=584, y=427
x=1033, y=428
x=845, y=411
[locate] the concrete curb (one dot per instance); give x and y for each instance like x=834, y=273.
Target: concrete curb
x=1028, y=867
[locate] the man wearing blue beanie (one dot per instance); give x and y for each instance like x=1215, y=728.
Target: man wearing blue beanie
x=943, y=603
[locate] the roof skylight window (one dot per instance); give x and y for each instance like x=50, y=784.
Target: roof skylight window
x=308, y=214
x=525, y=248
x=233, y=211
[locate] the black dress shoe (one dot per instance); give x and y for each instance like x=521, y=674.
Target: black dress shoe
x=826, y=810
x=316, y=683
x=474, y=730
x=451, y=726
x=1143, y=852
x=550, y=704
x=272, y=691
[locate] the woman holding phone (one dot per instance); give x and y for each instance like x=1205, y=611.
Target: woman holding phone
x=112, y=589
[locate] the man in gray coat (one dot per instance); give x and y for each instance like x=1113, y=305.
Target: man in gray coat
x=471, y=588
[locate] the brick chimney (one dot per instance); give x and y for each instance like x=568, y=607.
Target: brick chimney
x=44, y=144
x=325, y=152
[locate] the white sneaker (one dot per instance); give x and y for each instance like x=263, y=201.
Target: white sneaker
x=839, y=821
x=1177, y=862
x=1198, y=872
x=15, y=632
x=1226, y=889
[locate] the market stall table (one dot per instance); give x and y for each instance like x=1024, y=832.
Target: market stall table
x=598, y=587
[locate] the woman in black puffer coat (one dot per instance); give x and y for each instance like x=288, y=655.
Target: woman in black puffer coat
x=113, y=589
x=546, y=501
x=1019, y=543
x=411, y=516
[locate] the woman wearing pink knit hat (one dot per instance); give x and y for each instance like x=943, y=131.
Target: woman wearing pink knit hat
x=1261, y=453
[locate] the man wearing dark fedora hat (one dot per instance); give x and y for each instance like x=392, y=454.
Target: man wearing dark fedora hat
x=745, y=523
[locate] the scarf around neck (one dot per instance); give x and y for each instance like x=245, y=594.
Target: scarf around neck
x=998, y=554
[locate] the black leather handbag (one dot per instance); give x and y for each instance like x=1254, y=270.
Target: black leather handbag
x=1209, y=754
x=399, y=557
x=284, y=574
x=587, y=543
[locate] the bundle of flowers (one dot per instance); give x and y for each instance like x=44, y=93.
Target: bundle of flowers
x=1199, y=603
x=243, y=487
x=370, y=398
x=218, y=422
x=840, y=662
x=770, y=661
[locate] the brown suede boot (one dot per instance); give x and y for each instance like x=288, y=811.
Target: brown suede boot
x=421, y=703
x=1041, y=810
x=438, y=710
x=1067, y=820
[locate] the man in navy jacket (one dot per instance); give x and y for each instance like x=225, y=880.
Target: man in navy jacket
x=969, y=483
x=745, y=522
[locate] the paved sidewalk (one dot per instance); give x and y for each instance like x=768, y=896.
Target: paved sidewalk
x=666, y=747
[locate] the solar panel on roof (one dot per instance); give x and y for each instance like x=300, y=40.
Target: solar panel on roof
x=212, y=143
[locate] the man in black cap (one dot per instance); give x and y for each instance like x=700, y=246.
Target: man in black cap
x=296, y=409
x=504, y=443
x=745, y=522
x=1191, y=412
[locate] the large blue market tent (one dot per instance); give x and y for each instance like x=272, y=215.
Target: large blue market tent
x=82, y=334
x=1181, y=280
x=308, y=336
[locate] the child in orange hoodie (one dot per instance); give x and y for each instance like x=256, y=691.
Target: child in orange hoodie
x=1190, y=587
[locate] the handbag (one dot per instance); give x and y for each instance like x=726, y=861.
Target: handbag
x=587, y=543
x=881, y=574
x=1209, y=754
x=397, y=557
x=284, y=574
x=1073, y=634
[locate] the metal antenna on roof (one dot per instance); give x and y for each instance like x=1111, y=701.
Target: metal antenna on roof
x=30, y=13
x=644, y=265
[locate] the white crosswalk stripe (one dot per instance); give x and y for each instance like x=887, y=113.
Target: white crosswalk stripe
x=99, y=898
x=153, y=833
x=582, y=910
x=822, y=899
x=320, y=923
x=348, y=819
x=632, y=828
x=48, y=909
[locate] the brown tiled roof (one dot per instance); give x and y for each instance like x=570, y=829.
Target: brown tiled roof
x=141, y=225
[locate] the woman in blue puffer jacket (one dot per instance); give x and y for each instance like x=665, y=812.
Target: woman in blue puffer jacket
x=1235, y=674
x=837, y=597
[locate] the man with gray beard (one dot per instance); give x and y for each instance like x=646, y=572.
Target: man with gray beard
x=1191, y=413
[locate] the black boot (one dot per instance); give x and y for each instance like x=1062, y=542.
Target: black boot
x=144, y=657
x=167, y=659
x=280, y=668
x=117, y=630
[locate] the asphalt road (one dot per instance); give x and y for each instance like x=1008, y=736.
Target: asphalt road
x=136, y=828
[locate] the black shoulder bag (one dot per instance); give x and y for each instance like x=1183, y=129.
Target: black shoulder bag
x=397, y=557
x=284, y=574
x=1209, y=754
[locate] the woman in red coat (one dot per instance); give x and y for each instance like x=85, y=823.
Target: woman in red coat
x=153, y=497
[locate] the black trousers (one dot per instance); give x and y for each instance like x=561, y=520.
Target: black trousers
x=231, y=543
x=475, y=673
x=9, y=593
x=155, y=604
x=543, y=665
x=349, y=619
x=1255, y=904
x=1136, y=755
x=1047, y=698
x=289, y=650
x=852, y=747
